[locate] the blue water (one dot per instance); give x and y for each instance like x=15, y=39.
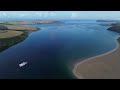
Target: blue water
x=51, y=51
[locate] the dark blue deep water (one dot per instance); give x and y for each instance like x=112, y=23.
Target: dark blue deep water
x=51, y=51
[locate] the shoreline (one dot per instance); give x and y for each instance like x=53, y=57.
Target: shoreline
x=77, y=65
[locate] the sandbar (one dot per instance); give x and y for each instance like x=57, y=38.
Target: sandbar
x=105, y=66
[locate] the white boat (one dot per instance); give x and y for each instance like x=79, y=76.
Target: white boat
x=22, y=64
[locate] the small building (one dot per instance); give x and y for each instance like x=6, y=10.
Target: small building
x=2, y=27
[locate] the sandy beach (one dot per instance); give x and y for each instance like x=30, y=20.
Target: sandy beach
x=105, y=66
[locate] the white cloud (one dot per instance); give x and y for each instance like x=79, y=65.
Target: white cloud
x=38, y=14
x=22, y=15
x=4, y=14
x=46, y=14
x=75, y=15
x=52, y=14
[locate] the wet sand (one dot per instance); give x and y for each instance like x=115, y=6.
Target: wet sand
x=105, y=66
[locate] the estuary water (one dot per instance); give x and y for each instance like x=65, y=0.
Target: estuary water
x=50, y=52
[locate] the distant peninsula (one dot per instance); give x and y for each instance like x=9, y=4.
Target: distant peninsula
x=14, y=28
x=115, y=27
x=107, y=20
x=29, y=22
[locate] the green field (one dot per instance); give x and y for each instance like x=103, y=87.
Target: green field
x=9, y=34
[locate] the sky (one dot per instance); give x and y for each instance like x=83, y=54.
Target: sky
x=67, y=15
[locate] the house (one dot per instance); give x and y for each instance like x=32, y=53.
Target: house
x=3, y=28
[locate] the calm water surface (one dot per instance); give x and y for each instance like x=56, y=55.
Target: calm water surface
x=51, y=51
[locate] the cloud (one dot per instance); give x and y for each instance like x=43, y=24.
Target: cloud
x=75, y=15
x=44, y=14
x=49, y=14
x=22, y=15
x=52, y=14
x=4, y=14
x=38, y=14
